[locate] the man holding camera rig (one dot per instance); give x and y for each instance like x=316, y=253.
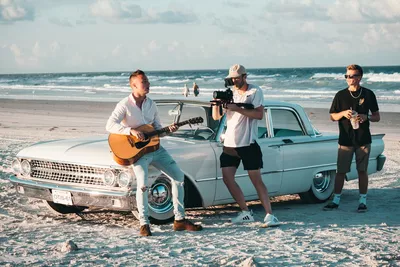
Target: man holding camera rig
x=240, y=143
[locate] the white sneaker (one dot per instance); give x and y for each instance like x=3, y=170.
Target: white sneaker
x=243, y=217
x=270, y=220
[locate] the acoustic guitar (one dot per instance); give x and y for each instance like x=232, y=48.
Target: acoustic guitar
x=127, y=149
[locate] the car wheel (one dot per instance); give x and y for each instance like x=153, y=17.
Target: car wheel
x=321, y=188
x=161, y=208
x=62, y=209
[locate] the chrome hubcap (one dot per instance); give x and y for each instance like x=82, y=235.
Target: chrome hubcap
x=322, y=182
x=160, y=196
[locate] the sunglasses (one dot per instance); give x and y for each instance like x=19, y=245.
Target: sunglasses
x=352, y=76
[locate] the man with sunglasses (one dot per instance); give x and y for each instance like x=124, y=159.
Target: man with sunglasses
x=240, y=144
x=353, y=140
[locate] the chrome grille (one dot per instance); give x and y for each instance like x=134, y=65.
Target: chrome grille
x=65, y=172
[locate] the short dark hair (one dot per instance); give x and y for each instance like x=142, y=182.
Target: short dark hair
x=136, y=73
x=355, y=67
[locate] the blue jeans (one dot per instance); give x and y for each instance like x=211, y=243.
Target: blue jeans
x=163, y=161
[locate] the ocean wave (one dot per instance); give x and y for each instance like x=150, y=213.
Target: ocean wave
x=310, y=91
x=100, y=77
x=328, y=75
x=60, y=88
x=259, y=76
x=178, y=81
x=7, y=80
x=382, y=77
x=368, y=77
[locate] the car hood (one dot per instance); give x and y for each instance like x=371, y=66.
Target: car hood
x=87, y=151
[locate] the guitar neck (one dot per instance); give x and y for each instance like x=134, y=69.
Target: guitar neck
x=166, y=129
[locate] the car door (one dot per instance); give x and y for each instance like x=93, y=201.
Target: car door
x=296, y=147
x=271, y=172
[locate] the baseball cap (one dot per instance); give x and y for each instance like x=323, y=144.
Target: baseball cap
x=236, y=71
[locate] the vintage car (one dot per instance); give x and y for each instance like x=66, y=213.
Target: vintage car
x=76, y=174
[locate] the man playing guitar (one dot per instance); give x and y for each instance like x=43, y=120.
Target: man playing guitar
x=130, y=113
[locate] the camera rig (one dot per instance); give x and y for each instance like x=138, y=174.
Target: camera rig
x=223, y=98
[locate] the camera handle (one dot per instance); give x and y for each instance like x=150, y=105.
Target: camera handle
x=223, y=104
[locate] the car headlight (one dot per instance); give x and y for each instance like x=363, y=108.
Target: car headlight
x=16, y=166
x=124, y=179
x=25, y=168
x=109, y=178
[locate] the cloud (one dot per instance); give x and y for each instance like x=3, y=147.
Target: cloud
x=19, y=57
x=54, y=47
x=236, y=4
x=338, y=47
x=123, y=12
x=114, y=11
x=294, y=10
x=61, y=22
x=171, y=17
x=383, y=36
x=14, y=10
x=226, y=25
x=16, y=50
x=154, y=46
x=174, y=46
x=383, y=11
x=340, y=11
x=116, y=51
x=85, y=21
x=36, y=50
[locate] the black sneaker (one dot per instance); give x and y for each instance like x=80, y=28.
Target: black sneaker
x=331, y=206
x=362, y=208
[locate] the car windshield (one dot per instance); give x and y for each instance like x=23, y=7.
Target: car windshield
x=196, y=119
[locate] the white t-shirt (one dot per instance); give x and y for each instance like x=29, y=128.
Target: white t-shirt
x=241, y=130
x=127, y=115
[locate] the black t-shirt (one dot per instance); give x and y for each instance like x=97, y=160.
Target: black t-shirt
x=362, y=101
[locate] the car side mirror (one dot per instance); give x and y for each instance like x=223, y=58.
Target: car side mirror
x=174, y=112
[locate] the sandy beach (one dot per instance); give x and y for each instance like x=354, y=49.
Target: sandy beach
x=30, y=235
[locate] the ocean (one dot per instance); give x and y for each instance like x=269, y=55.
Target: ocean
x=310, y=87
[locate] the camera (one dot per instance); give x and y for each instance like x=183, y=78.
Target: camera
x=226, y=96
x=223, y=98
x=229, y=82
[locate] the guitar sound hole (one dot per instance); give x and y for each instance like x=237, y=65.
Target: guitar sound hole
x=140, y=145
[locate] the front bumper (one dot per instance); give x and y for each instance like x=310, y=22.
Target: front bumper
x=87, y=197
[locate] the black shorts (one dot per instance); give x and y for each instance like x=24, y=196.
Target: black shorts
x=251, y=156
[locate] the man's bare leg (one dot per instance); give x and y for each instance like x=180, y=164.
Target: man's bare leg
x=228, y=174
x=339, y=182
x=363, y=182
x=262, y=190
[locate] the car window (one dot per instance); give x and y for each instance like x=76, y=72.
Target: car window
x=190, y=112
x=285, y=123
x=169, y=113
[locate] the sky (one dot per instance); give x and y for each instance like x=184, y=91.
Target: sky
x=119, y=35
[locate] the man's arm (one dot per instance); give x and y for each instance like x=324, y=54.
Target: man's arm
x=216, y=112
x=114, y=121
x=375, y=116
x=339, y=115
x=257, y=113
